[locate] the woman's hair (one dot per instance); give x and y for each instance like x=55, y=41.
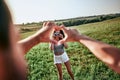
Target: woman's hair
x=5, y=23
x=57, y=33
x=61, y=31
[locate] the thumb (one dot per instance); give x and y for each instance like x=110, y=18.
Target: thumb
x=44, y=24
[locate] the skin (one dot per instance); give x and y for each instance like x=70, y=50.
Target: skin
x=12, y=63
x=57, y=42
x=43, y=35
x=110, y=55
x=59, y=65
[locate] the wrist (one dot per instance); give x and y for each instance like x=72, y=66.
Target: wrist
x=80, y=38
x=37, y=36
x=83, y=39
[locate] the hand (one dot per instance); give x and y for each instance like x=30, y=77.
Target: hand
x=43, y=35
x=71, y=34
x=45, y=31
x=61, y=36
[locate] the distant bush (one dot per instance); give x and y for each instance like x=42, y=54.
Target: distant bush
x=90, y=19
x=76, y=21
x=33, y=24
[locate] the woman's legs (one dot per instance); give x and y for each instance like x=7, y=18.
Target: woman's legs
x=59, y=68
x=68, y=66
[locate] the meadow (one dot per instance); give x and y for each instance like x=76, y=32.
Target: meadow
x=85, y=65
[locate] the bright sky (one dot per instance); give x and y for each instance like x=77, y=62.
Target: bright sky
x=24, y=11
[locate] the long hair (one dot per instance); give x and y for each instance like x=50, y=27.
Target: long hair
x=61, y=31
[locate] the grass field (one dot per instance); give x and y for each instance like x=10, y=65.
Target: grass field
x=85, y=65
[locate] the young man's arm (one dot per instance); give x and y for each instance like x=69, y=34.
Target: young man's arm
x=43, y=35
x=105, y=52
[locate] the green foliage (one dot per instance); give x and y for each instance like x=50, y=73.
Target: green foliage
x=29, y=27
x=85, y=20
x=85, y=65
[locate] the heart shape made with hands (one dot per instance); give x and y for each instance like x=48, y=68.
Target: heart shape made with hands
x=51, y=30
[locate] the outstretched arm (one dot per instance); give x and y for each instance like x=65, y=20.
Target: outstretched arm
x=43, y=35
x=29, y=42
x=105, y=52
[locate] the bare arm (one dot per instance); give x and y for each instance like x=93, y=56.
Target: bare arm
x=51, y=46
x=43, y=35
x=105, y=52
x=29, y=42
x=65, y=45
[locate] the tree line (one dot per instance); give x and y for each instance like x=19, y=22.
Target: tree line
x=77, y=21
x=91, y=19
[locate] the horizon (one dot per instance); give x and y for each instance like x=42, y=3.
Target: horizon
x=66, y=18
x=37, y=11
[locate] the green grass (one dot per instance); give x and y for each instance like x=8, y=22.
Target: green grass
x=106, y=31
x=85, y=65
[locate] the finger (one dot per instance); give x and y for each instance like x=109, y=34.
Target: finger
x=51, y=24
x=76, y=31
x=48, y=24
x=44, y=24
x=57, y=28
x=65, y=30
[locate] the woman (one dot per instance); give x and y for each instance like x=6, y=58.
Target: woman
x=60, y=55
